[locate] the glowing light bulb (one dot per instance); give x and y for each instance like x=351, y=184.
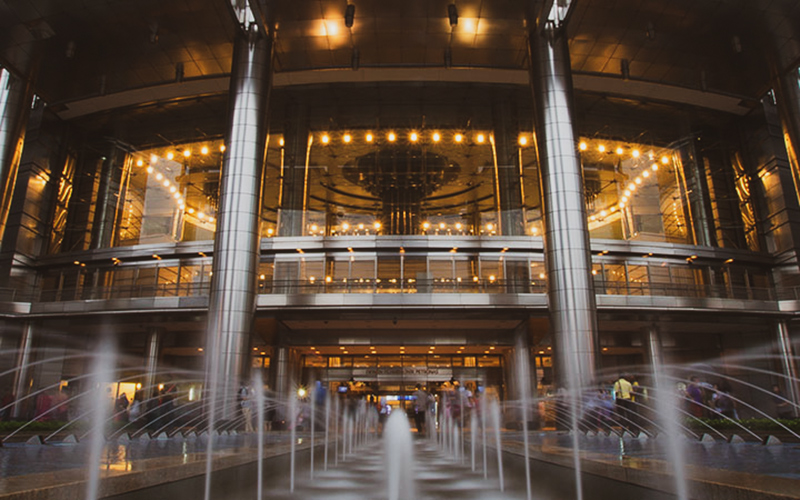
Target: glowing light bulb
x=601, y=148
x=361, y=226
x=325, y=139
x=480, y=139
x=221, y=148
x=149, y=170
x=187, y=153
x=153, y=158
x=459, y=138
x=369, y=137
x=139, y=163
x=638, y=180
x=664, y=160
x=626, y=193
x=377, y=225
x=159, y=176
x=654, y=167
x=583, y=146
x=459, y=226
x=632, y=187
x=166, y=183
x=345, y=226
x=426, y=225
x=314, y=228
x=523, y=140
x=176, y=195
x=413, y=137
x=442, y=225
x=391, y=137
x=437, y=137
x=281, y=141
x=191, y=210
x=172, y=189
x=270, y=231
x=170, y=155
x=619, y=151
x=201, y=215
x=347, y=138
x=636, y=153
x=490, y=226
x=204, y=150
x=645, y=174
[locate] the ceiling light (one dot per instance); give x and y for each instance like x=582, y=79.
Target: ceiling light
x=413, y=137
x=601, y=148
x=636, y=153
x=369, y=137
x=391, y=137
x=139, y=163
x=459, y=138
x=480, y=139
x=620, y=151
x=664, y=160
x=347, y=138
x=325, y=139
x=436, y=137
x=187, y=153
x=170, y=155
x=204, y=150
x=523, y=140
x=583, y=146
x=222, y=148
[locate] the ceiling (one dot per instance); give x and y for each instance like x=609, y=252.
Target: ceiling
x=91, y=47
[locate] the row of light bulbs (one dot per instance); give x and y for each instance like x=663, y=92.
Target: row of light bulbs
x=413, y=136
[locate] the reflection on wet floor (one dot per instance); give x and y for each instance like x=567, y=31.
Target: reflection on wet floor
x=363, y=476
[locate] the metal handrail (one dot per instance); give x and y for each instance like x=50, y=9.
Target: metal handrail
x=401, y=286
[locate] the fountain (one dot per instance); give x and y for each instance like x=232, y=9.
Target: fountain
x=399, y=458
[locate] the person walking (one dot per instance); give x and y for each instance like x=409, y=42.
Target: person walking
x=624, y=402
x=420, y=408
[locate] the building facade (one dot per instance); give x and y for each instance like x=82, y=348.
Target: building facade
x=383, y=194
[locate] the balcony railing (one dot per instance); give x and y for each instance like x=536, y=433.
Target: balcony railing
x=400, y=286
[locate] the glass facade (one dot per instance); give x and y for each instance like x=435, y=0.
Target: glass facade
x=434, y=182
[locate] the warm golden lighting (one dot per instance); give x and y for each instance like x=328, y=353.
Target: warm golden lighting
x=369, y=137
x=664, y=160
x=159, y=176
x=325, y=139
x=281, y=142
x=426, y=225
x=480, y=139
x=270, y=231
x=459, y=138
x=413, y=137
x=441, y=225
x=170, y=155
x=645, y=174
x=204, y=150
x=301, y=392
x=361, y=226
x=582, y=146
x=187, y=153
x=636, y=153
x=346, y=138
x=345, y=226
x=377, y=225
x=490, y=226
x=172, y=189
x=654, y=167
x=601, y=148
x=459, y=226
x=437, y=137
x=191, y=210
x=139, y=163
x=201, y=215
x=391, y=137
x=149, y=169
x=166, y=183
x=619, y=151
x=314, y=227
x=221, y=148
x=523, y=140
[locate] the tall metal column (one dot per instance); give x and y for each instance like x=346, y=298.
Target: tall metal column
x=15, y=104
x=232, y=299
x=151, y=360
x=507, y=169
x=293, y=173
x=570, y=290
x=787, y=97
x=21, y=375
x=110, y=196
x=788, y=364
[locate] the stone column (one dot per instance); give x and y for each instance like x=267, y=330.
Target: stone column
x=570, y=289
x=788, y=364
x=22, y=374
x=232, y=299
x=15, y=104
x=281, y=372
